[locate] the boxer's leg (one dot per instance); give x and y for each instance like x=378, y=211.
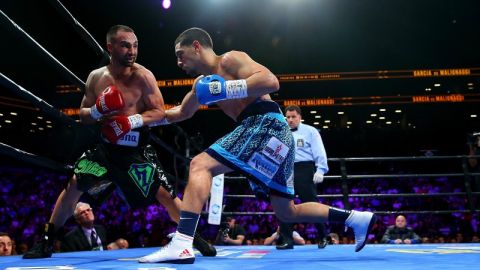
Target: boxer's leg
x=64, y=207
x=65, y=204
x=173, y=207
x=179, y=250
x=360, y=222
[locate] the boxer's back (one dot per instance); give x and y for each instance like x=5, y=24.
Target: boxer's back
x=228, y=69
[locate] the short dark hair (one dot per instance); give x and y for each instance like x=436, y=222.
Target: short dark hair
x=112, y=32
x=293, y=108
x=188, y=36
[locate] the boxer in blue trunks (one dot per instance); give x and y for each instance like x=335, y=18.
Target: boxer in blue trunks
x=261, y=146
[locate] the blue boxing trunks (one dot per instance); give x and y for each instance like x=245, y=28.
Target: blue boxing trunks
x=262, y=148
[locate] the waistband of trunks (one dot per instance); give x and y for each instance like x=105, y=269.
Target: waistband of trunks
x=259, y=108
x=144, y=139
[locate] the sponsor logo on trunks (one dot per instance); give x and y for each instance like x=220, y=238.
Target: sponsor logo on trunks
x=215, y=88
x=263, y=165
x=130, y=139
x=289, y=182
x=99, y=187
x=142, y=175
x=89, y=167
x=276, y=150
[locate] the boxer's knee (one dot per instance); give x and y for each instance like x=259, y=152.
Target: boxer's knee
x=284, y=209
x=286, y=215
x=200, y=167
x=198, y=164
x=71, y=190
x=163, y=196
x=72, y=185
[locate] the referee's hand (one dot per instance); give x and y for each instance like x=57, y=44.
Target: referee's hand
x=318, y=178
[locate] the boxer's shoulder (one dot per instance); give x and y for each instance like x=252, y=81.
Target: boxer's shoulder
x=232, y=57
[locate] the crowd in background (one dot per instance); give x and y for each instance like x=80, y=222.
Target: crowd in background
x=27, y=198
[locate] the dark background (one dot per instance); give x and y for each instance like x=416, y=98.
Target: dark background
x=308, y=36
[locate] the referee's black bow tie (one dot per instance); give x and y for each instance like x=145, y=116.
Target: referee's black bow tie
x=294, y=129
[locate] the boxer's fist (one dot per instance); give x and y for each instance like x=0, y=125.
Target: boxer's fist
x=213, y=88
x=117, y=126
x=108, y=101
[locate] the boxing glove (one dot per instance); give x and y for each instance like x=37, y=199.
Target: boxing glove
x=117, y=126
x=108, y=101
x=213, y=88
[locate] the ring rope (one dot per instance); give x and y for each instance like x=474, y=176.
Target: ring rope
x=6, y=21
x=167, y=147
x=38, y=102
x=376, y=212
x=412, y=158
x=86, y=36
x=13, y=152
x=377, y=195
x=415, y=175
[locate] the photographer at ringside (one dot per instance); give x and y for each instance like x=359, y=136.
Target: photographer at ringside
x=231, y=233
x=473, y=162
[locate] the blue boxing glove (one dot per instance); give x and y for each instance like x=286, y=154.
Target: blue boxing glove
x=213, y=88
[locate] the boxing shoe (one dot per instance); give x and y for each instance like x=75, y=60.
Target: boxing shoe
x=40, y=249
x=44, y=247
x=322, y=243
x=361, y=223
x=285, y=238
x=205, y=248
x=179, y=251
x=284, y=246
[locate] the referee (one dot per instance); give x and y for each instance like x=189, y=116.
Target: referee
x=310, y=166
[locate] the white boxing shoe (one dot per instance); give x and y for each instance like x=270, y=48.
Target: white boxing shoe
x=361, y=223
x=179, y=250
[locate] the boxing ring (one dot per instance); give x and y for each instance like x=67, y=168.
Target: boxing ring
x=439, y=256
x=392, y=257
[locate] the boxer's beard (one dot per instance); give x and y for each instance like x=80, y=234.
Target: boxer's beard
x=128, y=62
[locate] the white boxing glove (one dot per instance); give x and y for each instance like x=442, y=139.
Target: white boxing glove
x=318, y=178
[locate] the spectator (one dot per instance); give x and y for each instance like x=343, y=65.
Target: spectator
x=233, y=234
x=333, y=239
x=86, y=236
x=112, y=246
x=400, y=233
x=475, y=239
x=273, y=239
x=6, y=244
x=120, y=243
x=22, y=248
